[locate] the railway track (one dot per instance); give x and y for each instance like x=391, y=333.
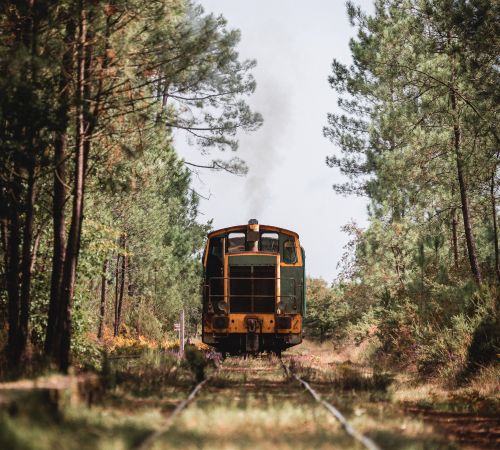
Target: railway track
x=367, y=442
x=150, y=440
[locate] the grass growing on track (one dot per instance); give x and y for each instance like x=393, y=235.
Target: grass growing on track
x=252, y=405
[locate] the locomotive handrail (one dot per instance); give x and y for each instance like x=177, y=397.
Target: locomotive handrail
x=228, y=296
x=210, y=295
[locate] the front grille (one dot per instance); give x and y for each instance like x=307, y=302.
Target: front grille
x=252, y=289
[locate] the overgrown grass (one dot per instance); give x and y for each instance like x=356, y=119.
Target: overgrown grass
x=343, y=376
x=137, y=392
x=246, y=404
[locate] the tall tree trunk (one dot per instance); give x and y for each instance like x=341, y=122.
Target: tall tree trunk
x=121, y=275
x=73, y=244
x=59, y=187
x=454, y=238
x=102, y=309
x=12, y=270
x=495, y=228
x=469, y=235
x=27, y=257
x=464, y=195
x=19, y=233
x=117, y=292
x=59, y=245
x=122, y=292
x=454, y=226
x=32, y=148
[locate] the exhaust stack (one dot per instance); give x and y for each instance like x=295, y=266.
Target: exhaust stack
x=253, y=235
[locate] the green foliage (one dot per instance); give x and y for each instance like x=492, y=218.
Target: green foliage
x=196, y=361
x=148, y=68
x=444, y=350
x=158, y=214
x=470, y=341
x=146, y=374
x=362, y=327
x=417, y=134
x=327, y=311
x=395, y=330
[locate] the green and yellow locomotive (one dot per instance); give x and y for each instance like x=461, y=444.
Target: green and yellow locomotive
x=254, y=296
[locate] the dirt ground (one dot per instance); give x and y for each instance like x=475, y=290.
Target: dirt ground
x=251, y=403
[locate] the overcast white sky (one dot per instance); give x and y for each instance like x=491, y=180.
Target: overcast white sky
x=288, y=184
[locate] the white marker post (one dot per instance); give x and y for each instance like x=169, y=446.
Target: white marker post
x=182, y=332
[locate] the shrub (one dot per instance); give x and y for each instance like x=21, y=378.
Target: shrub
x=456, y=351
x=443, y=351
x=395, y=331
x=145, y=374
x=196, y=361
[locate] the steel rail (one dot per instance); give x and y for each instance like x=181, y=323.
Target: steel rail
x=367, y=442
x=146, y=444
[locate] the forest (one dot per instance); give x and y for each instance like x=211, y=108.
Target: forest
x=101, y=236
x=99, y=224
x=418, y=134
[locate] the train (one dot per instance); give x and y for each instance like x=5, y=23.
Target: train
x=254, y=289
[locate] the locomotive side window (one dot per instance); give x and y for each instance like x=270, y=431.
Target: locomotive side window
x=269, y=242
x=214, y=273
x=215, y=248
x=236, y=242
x=289, y=253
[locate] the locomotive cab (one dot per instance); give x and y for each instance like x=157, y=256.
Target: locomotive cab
x=254, y=289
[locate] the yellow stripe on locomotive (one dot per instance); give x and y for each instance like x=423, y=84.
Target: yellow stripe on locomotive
x=254, y=289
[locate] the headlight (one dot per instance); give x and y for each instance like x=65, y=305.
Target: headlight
x=222, y=305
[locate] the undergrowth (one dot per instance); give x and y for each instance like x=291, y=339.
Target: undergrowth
x=343, y=376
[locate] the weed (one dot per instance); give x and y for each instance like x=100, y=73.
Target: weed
x=196, y=361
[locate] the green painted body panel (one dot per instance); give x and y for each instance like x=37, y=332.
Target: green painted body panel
x=292, y=291
x=252, y=260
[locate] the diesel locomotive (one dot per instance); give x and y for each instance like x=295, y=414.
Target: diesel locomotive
x=254, y=290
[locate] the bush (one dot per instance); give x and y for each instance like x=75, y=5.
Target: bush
x=196, y=361
x=145, y=374
x=87, y=354
x=470, y=341
x=395, y=331
x=443, y=351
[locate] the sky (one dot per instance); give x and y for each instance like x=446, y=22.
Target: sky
x=288, y=184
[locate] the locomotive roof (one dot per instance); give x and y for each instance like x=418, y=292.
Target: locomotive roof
x=240, y=228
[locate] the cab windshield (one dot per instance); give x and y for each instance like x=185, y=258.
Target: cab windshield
x=269, y=242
